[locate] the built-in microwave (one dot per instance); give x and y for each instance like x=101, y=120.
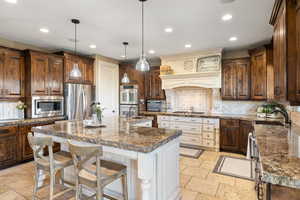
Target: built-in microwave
x=47, y=106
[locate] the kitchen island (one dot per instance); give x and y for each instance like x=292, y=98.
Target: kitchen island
x=150, y=154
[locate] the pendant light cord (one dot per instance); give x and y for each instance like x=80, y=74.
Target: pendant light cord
x=75, y=39
x=125, y=52
x=142, y=28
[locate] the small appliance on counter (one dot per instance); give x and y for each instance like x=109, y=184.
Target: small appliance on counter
x=156, y=105
x=129, y=103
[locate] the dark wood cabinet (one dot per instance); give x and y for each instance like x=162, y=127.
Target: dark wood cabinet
x=55, y=80
x=153, y=87
x=234, y=135
x=229, y=136
x=135, y=77
x=26, y=151
x=297, y=68
x=85, y=65
x=44, y=74
x=259, y=73
x=285, y=20
x=245, y=128
x=8, y=146
x=236, y=79
x=11, y=74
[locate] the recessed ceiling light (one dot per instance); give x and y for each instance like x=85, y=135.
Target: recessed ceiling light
x=12, y=1
x=151, y=51
x=44, y=30
x=188, y=46
x=232, y=39
x=169, y=30
x=93, y=46
x=227, y=17
x=122, y=56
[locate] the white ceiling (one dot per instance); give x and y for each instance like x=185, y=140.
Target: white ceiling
x=107, y=23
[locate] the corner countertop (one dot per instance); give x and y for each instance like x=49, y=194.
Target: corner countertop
x=118, y=133
x=279, y=150
x=32, y=121
x=212, y=115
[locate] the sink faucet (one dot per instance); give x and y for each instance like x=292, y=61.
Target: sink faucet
x=285, y=114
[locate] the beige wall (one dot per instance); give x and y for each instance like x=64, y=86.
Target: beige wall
x=20, y=46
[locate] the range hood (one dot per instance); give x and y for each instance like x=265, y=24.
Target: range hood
x=203, y=79
x=198, y=69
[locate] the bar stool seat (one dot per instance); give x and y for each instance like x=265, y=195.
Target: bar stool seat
x=110, y=171
x=62, y=159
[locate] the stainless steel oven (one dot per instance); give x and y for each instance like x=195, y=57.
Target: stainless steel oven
x=129, y=94
x=47, y=106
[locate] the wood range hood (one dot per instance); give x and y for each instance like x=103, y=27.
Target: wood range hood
x=198, y=69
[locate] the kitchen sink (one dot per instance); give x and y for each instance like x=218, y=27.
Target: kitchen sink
x=274, y=123
x=137, y=117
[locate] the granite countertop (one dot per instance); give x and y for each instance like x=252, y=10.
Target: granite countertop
x=279, y=150
x=118, y=133
x=212, y=115
x=16, y=122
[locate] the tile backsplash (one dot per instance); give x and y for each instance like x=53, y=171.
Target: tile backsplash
x=207, y=100
x=8, y=111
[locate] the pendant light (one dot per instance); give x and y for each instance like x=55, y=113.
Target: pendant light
x=75, y=72
x=125, y=78
x=142, y=64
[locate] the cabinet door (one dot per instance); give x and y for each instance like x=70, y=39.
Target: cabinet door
x=8, y=146
x=279, y=44
x=13, y=74
x=228, y=81
x=39, y=73
x=89, y=72
x=26, y=150
x=55, y=74
x=229, y=136
x=2, y=60
x=243, y=79
x=297, y=90
x=245, y=128
x=259, y=75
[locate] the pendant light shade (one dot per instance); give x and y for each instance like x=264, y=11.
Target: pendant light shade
x=125, y=78
x=142, y=64
x=75, y=72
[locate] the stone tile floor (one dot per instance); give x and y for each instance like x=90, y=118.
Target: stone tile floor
x=197, y=180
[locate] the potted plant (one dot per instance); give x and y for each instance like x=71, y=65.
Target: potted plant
x=21, y=107
x=97, y=110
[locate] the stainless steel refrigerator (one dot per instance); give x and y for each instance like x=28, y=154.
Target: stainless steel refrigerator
x=78, y=100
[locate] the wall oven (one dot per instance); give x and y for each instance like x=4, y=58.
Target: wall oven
x=129, y=94
x=47, y=106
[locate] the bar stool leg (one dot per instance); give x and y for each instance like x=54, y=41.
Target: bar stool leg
x=124, y=186
x=99, y=194
x=52, y=184
x=62, y=176
x=36, y=182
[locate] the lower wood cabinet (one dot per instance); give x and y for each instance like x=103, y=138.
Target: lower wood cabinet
x=234, y=135
x=8, y=146
x=14, y=145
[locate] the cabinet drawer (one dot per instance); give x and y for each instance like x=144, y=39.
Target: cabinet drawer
x=208, y=143
x=185, y=127
x=210, y=121
x=208, y=135
x=190, y=140
x=163, y=118
x=179, y=119
x=230, y=122
x=208, y=127
x=194, y=119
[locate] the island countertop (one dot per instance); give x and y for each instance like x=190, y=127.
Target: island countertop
x=118, y=132
x=279, y=150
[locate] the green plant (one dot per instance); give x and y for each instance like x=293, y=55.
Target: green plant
x=271, y=106
x=21, y=105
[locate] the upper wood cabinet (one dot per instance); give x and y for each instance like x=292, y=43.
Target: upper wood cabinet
x=285, y=19
x=236, y=79
x=153, y=87
x=44, y=74
x=11, y=74
x=261, y=71
x=85, y=65
x=135, y=77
